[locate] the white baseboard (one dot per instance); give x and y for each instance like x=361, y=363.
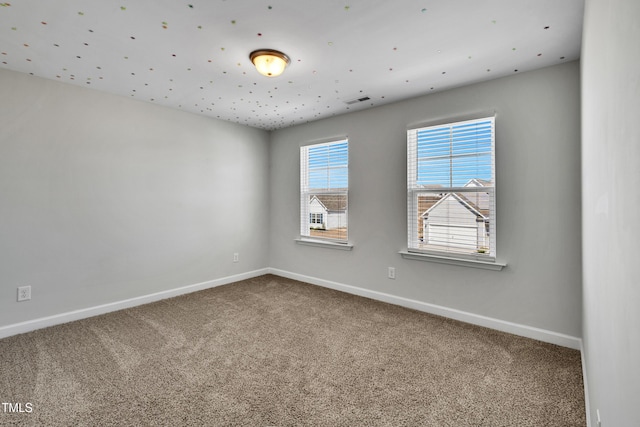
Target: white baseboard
x=500, y=325
x=475, y=319
x=587, y=405
x=44, y=322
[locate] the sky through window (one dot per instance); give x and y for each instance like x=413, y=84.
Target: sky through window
x=450, y=156
x=328, y=166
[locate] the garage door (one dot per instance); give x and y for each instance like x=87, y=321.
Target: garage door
x=452, y=235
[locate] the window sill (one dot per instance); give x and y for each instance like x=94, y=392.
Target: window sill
x=487, y=265
x=325, y=244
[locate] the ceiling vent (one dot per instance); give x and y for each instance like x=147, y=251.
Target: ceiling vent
x=355, y=101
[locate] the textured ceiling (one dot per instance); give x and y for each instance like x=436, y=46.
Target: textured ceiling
x=194, y=55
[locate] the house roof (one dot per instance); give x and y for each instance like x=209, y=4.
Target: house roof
x=466, y=202
x=426, y=201
x=477, y=202
x=332, y=202
x=477, y=182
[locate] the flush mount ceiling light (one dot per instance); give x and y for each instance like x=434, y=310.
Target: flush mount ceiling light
x=268, y=62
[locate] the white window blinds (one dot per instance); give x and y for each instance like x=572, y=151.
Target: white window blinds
x=324, y=185
x=451, y=189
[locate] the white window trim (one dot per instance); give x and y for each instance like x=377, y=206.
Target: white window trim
x=309, y=241
x=483, y=262
x=420, y=256
x=323, y=242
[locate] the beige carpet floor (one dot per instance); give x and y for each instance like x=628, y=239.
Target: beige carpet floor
x=275, y=352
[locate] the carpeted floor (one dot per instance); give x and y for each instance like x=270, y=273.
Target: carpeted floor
x=275, y=352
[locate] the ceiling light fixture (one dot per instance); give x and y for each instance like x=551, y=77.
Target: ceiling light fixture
x=268, y=62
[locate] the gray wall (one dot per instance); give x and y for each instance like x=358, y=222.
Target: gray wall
x=611, y=208
x=104, y=198
x=538, y=202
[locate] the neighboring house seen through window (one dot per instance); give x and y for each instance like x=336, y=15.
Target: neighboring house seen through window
x=324, y=184
x=451, y=189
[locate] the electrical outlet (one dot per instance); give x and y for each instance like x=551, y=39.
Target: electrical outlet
x=392, y=272
x=236, y=257
x=24, y=293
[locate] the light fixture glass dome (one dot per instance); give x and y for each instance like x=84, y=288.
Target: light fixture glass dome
x=270, y=63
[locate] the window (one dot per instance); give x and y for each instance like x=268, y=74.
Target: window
x=315, y=218
x=451, y=190
x=324, y=184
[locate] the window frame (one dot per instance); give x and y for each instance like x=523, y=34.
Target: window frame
x=307, y=192
x=478, y=257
